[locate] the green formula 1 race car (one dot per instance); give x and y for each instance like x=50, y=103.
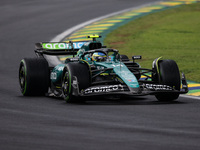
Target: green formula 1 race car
x=90, y=69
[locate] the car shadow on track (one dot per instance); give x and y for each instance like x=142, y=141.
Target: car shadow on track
x=132, y=100
x=139, y=100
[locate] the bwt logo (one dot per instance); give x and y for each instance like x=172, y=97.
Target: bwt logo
x=76, y=45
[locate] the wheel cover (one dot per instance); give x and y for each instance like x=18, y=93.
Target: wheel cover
x=22, y=78
x=66, y=85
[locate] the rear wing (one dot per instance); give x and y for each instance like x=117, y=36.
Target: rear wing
x=64, y=48
x=58, y=48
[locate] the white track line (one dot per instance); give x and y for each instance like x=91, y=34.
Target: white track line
x=189, y=96
x=69, y=31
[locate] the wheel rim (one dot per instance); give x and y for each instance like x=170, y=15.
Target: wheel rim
x=66, y=85
x=22, y=78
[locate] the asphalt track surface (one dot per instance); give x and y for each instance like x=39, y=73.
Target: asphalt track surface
x=28, y=123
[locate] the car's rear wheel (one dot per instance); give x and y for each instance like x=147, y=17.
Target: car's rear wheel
x=77, y=70
x=34, y=76
x=169, y=75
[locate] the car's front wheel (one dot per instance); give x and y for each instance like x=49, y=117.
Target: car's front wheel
x=77, y=70
x=169, y=75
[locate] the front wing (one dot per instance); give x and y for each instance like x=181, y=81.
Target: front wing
x=121, y=89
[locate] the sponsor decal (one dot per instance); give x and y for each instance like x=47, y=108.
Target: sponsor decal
x=157, y=87
x=87, y=43
x=53, y=76
x=100, y=67
x=73, y=59
x=137, y=57
x=103, y=89
x=60, y=68
x=55, y=46
x=118, y=65
x=131, y=80
x=75, y=82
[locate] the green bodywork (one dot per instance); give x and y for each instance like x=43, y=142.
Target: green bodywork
x=121, y=71
x=109, y=73
x=119, y=68
x=56, y=74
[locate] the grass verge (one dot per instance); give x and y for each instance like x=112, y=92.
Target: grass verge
x=172, y=34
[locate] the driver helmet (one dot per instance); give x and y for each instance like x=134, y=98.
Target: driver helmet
x=99, y=57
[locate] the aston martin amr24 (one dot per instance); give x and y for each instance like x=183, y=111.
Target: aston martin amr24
x=88, y=68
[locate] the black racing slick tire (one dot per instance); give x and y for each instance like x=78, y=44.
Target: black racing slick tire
x=77, y=70
x=169, y=75
x=34, y=76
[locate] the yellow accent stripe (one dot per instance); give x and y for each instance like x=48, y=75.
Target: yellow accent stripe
x=143, y=76
x=144, y=10
x=187, y=0
x=93, y=36
x=105, y=74
x=87, y=32
x=193, y=85
x=154, y=7
x=195, y=94
x=171, y=3
x=99, y=25
x=78, y=36
x=123, y=17
x=108, y=21
x=131, y=14
x=101, y=21
x=114, y=21
x=78, y=40
x=94, y=29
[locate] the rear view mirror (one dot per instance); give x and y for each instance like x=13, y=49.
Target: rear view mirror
x=136, y=57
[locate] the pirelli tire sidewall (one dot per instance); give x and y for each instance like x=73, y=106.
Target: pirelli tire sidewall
x=81, y=72
x=35, y=74
x=169, y=75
